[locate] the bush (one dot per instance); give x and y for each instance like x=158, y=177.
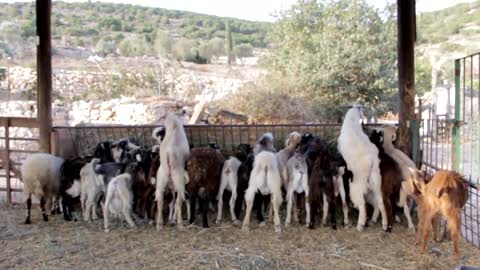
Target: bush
x=243, y=50
x=105, y=46
x=182, y=50
x=163, y=44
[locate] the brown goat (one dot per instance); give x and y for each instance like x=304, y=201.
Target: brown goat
x=445, y=195
x=204, y=167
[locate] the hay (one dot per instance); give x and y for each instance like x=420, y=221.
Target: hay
x=82, y=245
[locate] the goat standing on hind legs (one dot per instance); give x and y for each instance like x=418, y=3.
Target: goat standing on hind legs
x=445, y=195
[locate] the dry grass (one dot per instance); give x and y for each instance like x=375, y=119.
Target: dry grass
x=81, y=245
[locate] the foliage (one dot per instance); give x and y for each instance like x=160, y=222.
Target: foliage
x=182, y=50
x=243, y=50
x=229, y=43
x=338, y=52
x=439, y=26
x=163, y=44
x=423, y=75
x=106, y=46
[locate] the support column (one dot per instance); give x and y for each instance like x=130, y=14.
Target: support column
x=406, y=72
x=44, y=73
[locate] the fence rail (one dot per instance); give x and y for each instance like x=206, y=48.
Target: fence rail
x=13, y=148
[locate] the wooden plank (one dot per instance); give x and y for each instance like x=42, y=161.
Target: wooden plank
x=7, y=160
x=406, y=77
x=26, y=122
x=12, y=189
x=197, y=112
x=44, y=73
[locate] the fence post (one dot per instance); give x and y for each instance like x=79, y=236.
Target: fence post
x=456, y=122
x=7, y=160
x=416, y=124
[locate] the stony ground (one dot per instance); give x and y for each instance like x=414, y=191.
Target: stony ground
x=81, y=245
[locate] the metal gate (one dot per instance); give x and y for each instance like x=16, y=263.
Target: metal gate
x=449, y=134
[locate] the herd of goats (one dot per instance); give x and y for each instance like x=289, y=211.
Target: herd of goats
x=122, y=177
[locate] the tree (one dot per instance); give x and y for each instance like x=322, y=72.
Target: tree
x=216, y=46
x=163, y=44
x=183, y=49
x=243, y=50
x=423, y=75
x=229, y=43
x=338, y=52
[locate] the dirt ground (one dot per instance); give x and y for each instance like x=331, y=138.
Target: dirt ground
x=81, y=245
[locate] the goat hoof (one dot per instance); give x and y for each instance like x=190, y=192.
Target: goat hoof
x=107, y=230
x=310, y=226
x=287, y=224
x=262, y=224
x=236, y=222
x=411, y=227
x=27, y=221
x=218, y=222
x=45, y=217
x=245, y=228
x=397, y=219
x=278, y=229
x=159, y=227
x=360, y=228
x=334, y=226
x=389, y=229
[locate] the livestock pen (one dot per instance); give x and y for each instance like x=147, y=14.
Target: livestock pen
x=222, y=246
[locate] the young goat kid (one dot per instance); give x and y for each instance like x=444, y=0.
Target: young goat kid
x=445, y=195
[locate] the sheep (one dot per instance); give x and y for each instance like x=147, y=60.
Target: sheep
x=286, y=153
x=391, y=180
x=297, y=182
x=41, y=175
x=119, y=196
x=445, y=195
x=405, y=164
x=70, y=186
x=265, y=178
x=361, y=157
x=174, y=151
x=204, y=167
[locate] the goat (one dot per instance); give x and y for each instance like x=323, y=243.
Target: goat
x=341, y=184
x=391, y=180
x=265, y=178
x=406, y=166
x=70, y=186
x=204, y=167
x=445, y=195
x=228, y=181
x=119, y=196
x=321, y=172
x=286, y=153
x=265, y=143
x=174, y=152
x=297, y=182
x=362, y=159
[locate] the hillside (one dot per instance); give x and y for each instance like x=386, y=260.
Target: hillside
x=127, y=30
x=447, y=34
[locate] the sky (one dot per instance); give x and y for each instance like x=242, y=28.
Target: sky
x=256, y=10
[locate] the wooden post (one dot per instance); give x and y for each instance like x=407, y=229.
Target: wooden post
x=44, y=73
x=6, y=159
x=406, y=74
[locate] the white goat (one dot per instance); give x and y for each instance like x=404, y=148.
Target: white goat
x=92, y=187
x=286, y=153
x=297, y=182
x=265, y=143
x=266, y=179
x=229, y=181
x=362, y=159
x=119, y=199
x=174, y=152
x=41, y=175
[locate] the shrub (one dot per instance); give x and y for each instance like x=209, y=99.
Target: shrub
x=243, y=50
